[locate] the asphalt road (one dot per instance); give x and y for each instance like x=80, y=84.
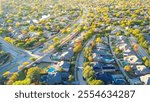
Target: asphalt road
x=120, y=67
x=80, y=62
x=19, y=56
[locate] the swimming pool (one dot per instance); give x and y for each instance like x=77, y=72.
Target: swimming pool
x=51, y=69
x=124, y=63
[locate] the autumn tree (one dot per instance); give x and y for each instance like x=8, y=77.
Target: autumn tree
x=32, y=59
x=77, y=47
x=90, y=58
x=13, y=78
x=32, y=28
x=117, y=50
x=88, y=72
x=6, y=74
x=135, y=47
x=87, y=52
x=98, y=40
x=55, y=39
x=127, y=68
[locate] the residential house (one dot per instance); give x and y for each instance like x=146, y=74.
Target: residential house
x=53, y=78
x=67, y=55
x=118, y=79
x=107, y=59
x=115, y=31
x=97, y=66
x=142, y=70
x=108, y=68
x=101, y=46
x=101, y=52
x=22, y=36
x=105, y=77
x=102, y=58
x=64, y=65
x=145, y=79
x=33, y=34
x=132, y=59
x=96, y=57
x=136, y=81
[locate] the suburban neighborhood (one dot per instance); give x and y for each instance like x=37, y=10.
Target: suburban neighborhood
x=74, y=42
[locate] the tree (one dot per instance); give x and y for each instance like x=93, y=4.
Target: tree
x=87, y=52
x=88, y=72
x=144, y=58
x=18, y=24
x=71, y=78
x=98, y=40
x=55, y=39
x=25, y=63
x=10, y=40
x=90, y=58
x=88, y=34
x=92, y=81
x=6, y=74
x=135, y=32
x=68, y=30
x=13, y=78
x=135, y=47
x=40, y=33
x=20, y=68
x=33, y=73
x=24, y=31
x=42, y=40
x=77, y=48
x=146, y=63
x=93, y=44
x=96, y=82
x=127, y=68
x=63, y=31
x=32, y=28
x=117, y=50
x=32, y=59
x=9, y=21
x=26, y=81
x=118, y=33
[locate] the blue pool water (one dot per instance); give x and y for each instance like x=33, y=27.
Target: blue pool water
x=124, y=63
x=108, y=60
x=51, y=69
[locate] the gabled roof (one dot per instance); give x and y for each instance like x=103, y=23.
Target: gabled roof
x=54, y=78
x=65, y=65
x=109, y=67
x=106, y=78
x=97, y=65
x=145, y=79
x=67, y=55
